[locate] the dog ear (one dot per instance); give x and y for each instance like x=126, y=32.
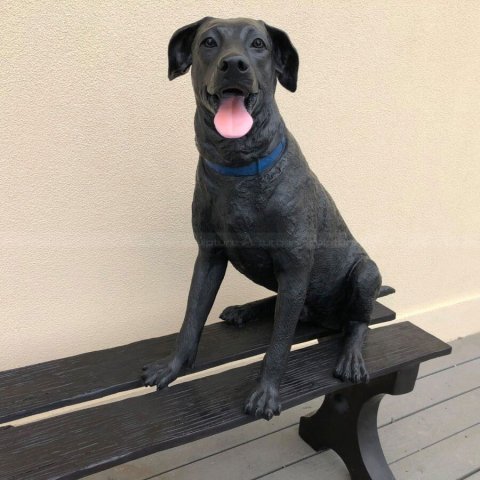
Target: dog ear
x=180, y=49
x=286, y=58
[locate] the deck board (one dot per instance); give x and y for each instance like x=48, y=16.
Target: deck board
x=324, y=466
x=431, y=390
x=442, y=380
x=473, y=476
x=451, y=459
x=416, y=432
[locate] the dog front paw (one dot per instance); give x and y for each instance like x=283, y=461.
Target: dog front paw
x=264, y=402
x=161, y=373
x=351, y=368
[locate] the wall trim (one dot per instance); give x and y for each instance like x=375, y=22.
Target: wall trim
x=448, y=321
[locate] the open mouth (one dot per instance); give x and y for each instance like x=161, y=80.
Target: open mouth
x=232, y=107
x=249, y=99
x=228, y=92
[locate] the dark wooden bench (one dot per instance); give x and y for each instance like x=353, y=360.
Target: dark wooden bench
x=82, y=442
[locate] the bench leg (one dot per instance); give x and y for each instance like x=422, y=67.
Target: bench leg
x=347, y=423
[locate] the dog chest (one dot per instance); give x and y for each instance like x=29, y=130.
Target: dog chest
x=238, y=220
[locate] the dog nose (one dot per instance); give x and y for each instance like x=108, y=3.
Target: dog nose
x=233, y=63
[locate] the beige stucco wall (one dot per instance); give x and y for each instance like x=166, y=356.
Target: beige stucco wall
x=97, y=158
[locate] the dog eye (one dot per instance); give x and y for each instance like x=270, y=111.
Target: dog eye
x=258, y=43
x=209, y=42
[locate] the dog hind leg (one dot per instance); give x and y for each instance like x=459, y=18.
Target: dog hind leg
x=365, y=283
x=239, y=315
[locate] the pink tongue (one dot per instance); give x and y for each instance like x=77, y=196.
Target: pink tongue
x=232, y=119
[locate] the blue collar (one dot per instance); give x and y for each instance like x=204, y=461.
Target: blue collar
x=254, y=168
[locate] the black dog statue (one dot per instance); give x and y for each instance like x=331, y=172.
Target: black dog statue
x=258, y=205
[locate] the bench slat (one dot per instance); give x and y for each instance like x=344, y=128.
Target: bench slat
x=80, y=443
x=39, y=388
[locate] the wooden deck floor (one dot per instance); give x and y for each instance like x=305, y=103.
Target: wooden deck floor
x=431, y=433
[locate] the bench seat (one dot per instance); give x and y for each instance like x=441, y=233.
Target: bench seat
x=76, y=444
x=42, y=387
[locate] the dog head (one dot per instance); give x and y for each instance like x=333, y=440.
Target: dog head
x=235, y=66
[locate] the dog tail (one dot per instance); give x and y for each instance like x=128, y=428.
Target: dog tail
x=385, y=290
